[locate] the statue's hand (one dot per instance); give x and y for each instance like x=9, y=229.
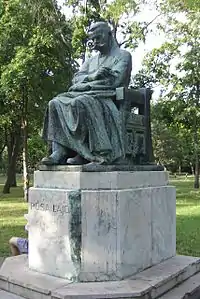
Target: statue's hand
x=100, y=74
x=103, y=72
x=80, y=87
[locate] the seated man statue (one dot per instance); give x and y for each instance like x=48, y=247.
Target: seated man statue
x=85, y=119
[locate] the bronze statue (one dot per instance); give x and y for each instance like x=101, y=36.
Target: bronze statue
x=85, y=120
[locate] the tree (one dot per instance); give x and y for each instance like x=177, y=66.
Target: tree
x=176, y=66
x=171, y=140
x=180, y=5
x=35, y=64
x=120, y=14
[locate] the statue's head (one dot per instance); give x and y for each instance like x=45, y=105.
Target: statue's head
x=100, y=36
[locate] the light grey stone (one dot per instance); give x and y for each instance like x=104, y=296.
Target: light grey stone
x=167, y=274
x=100, y=290
x=100, y=225
x=150, y=283
x=134, y=230
x=99, y=180
x=4, y=285
x=51, y=239
x=6, y=295
x=188, y=289
x=118, y=229
x=16, y=277
x=100, y=258
x=161, y=278
x=163, y=223
x=100, y=235
x=116, y=234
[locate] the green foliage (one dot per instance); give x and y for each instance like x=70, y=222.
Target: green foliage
x=180, y=5
x=36, y=151
x=172, y=142
x=118, y=13
x=35, y=55
x=36, y=60
x=176, y=67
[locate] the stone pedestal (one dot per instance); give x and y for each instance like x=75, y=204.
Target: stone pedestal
x=98, y=226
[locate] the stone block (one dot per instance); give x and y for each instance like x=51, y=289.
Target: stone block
x=115, y=234
x=96, y=234
x=99, y=180
x=163, y=223
x=119, y=231
x=6, y=295
x=190, y=289
x=167, y=274
x=150, y=283
x=54, y=230
x=17, y=278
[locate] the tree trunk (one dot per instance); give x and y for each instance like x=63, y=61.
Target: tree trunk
x=179, y=168
x=196, y=154
x=196, y=178
x=196, y=145
x=25, y=162
x=14, y=180
x=192, y=168
x=10, y=145
x=13, y=151
x=25, y=146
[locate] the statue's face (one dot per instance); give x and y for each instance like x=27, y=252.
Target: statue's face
x=99, y=40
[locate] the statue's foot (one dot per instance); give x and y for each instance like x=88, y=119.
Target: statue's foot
x=49, y=161
x=77, y=160
x=56, y=158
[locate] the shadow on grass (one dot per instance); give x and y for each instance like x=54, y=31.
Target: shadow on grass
x=182, y=205
x=9, y=214
x=15, y=194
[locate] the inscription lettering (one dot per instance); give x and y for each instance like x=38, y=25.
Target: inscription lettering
x=55, y=208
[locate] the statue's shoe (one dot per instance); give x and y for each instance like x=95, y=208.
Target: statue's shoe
x=58, y=157
x=77, y=160
x=49, y=161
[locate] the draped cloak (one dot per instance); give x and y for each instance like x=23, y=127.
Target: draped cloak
x=85, y=119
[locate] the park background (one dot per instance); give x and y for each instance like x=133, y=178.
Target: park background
x=42, y=44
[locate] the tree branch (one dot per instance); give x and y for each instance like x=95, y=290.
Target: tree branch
x=144, y=28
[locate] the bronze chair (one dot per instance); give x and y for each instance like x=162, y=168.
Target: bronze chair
x=134, y=105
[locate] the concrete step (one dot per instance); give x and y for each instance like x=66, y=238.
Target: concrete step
x=17, y=278
x=189, y=289
x=6, y=295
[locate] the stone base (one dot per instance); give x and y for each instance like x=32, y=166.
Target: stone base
x=102, y=168
x=100, y=226
x=17, y=278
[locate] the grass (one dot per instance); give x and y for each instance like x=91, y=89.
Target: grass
x=12, y=210
x=187, y=217
x=13, y=207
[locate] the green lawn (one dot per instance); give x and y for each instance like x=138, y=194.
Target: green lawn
x=12, y=209
x=187, y=217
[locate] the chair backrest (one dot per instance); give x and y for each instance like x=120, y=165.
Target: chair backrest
x=137, y=125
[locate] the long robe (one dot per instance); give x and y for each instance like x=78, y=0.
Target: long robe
x=85, y=119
